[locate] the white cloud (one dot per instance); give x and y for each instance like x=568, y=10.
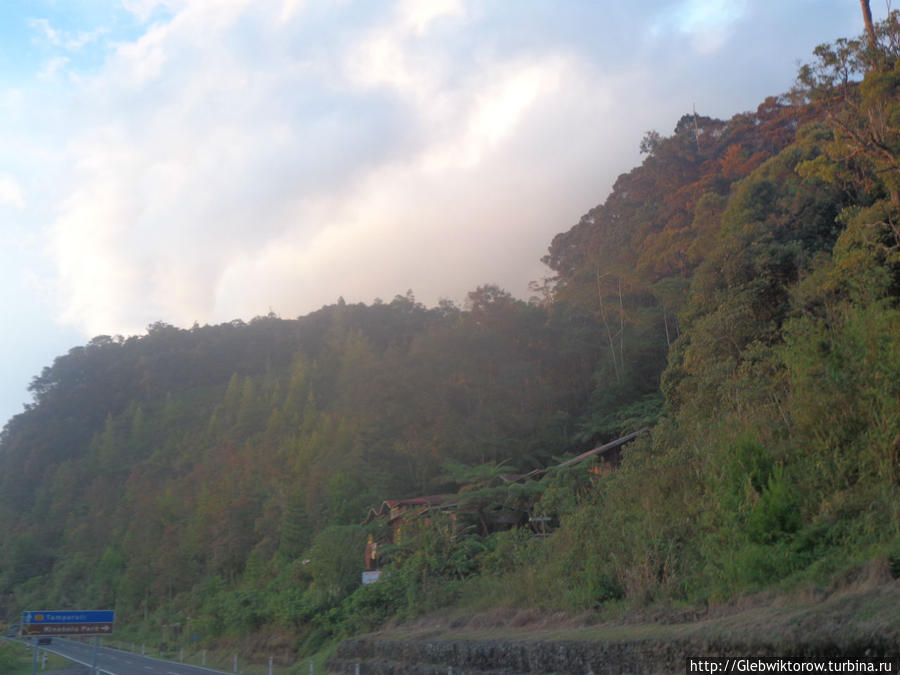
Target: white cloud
x=238, y=156
x=52, y=66
x=438, y=222
x=289, y=9
x=708, y=23
x=143, y=10
x=11, y=100
x=387, y=57
x=220, y=171
x=418, y=15
x=210, y=184
x=496, y=105
x=11, y=193
x=68, y=40
x=49, y=33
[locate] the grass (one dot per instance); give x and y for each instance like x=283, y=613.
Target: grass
x=16, y=659
x=865, y=606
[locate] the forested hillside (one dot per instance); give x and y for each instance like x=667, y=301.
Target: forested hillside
x=737, y=293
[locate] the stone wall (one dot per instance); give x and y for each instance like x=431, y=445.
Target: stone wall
x=490, y=657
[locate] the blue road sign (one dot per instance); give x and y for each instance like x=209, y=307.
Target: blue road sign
x=85, y=616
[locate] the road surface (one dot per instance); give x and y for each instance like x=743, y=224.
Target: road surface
x=115, y=662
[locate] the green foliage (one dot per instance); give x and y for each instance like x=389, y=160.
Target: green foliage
x=748, y=470
x=371, y=605
x=507, y=551
x=11, y=658
x=198, y=458
x=609, y=421
x=776, y=513
x=26, y=557
x=295, y=528
x=335, y=562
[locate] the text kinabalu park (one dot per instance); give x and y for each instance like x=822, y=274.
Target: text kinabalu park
x=697, y=417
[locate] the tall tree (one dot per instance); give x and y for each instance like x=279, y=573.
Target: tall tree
x=870, y=27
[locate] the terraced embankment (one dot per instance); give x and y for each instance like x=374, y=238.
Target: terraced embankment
x=858, y=622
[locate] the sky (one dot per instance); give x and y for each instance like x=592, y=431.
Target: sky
x=205, y=160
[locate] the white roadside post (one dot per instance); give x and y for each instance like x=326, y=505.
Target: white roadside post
x=94, y=656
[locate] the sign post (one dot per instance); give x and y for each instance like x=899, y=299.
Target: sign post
x=84, y=622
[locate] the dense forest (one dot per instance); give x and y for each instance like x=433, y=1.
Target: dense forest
x=737, y=294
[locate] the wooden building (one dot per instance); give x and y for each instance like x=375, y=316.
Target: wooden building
x=477, y=508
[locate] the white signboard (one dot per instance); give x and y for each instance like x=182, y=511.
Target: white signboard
x=371, y=576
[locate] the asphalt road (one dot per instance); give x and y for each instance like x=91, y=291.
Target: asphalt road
x=115, y=662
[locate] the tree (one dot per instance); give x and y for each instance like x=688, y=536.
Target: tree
x=870, y=27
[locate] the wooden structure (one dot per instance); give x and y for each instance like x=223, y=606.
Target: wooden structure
x=610, y=455
x=400, y=512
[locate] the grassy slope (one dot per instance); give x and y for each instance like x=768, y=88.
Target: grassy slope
x=865, y=606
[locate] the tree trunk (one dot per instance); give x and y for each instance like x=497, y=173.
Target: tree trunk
x=870, y=27
x=609, y=335
x=666, y=324
x=621, y=331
